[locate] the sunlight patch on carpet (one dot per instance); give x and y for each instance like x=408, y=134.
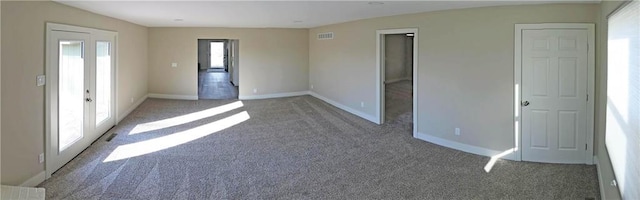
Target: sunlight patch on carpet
x=175, y=139
x=183, y=119
x=489, y=166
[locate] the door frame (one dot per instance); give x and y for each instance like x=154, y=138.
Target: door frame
x=517, y=81
x=49, y=81
x=380, y=73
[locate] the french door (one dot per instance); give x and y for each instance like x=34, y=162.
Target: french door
x=80, y=90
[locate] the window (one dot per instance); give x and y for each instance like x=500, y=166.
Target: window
x=623, y=98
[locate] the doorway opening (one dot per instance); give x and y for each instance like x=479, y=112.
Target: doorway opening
x=218, y=70
x=397, y=77
x=217, y=57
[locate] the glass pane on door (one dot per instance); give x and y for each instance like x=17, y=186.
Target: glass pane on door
x=71, y=93
x=103, y=81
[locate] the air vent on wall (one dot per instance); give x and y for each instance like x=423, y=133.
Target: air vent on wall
x=325, y=36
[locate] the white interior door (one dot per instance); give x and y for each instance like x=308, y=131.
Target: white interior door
x=80, y=92
x=554, y=95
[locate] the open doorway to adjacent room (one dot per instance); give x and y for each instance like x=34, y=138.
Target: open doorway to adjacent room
x=218, y=69
x=397, y=63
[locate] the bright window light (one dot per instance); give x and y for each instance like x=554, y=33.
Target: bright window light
x=622, y=137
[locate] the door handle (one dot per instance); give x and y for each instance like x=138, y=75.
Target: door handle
x=89, y=100
x=525, y=103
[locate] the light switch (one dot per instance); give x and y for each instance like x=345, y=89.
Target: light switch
x=174, y=64
x=40, y=80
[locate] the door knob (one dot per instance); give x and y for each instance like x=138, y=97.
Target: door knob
x=88, y=100
x=525, y=103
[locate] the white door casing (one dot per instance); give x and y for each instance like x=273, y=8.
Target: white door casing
x=380, y=74
x=91, y=129
x=554, y=69
x=236, y=63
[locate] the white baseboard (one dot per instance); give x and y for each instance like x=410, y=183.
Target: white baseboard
x=345, y=108
x=135, y=105
x=396, y=80
x=173, y=96
x=462, y=147
x=600, y=181
x=269, y=96
x=35, y=180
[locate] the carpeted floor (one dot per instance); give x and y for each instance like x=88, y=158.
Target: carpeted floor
x=398, y=99
x=293, y=148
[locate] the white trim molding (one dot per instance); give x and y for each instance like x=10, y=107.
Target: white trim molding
x=345, y=108
x=131, y=108
x=463, y=147
x=590, y=27
x=600, y=180
x=276, y=95
x=35, y=180
x=172, y=96
x=397, y=80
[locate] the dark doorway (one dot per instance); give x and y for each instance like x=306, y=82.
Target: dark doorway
x=398, y=81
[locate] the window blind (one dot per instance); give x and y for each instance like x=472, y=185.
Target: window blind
x=623, y=98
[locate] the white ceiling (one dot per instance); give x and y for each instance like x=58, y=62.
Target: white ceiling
x=280, y=14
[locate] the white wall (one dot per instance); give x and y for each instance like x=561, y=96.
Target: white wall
x=395, y=57
x=408, y=63
x=23, y=33
x=273, y=60
x=465, y=67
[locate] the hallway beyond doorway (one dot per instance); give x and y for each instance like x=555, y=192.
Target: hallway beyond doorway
x=215, y=85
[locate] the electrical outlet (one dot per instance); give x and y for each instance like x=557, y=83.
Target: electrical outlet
x=457, y=132
x=40, y=80
x=255, y=90
x=41, y=158
x=174, y=64
x=362, y=104
x=311, y=86
x=131, y=99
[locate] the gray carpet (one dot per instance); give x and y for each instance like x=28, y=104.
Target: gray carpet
x=300, y=148
x=398, y=99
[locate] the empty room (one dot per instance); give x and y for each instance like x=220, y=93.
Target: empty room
x=320, y=99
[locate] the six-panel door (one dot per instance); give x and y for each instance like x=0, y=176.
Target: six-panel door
x=554, y=84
